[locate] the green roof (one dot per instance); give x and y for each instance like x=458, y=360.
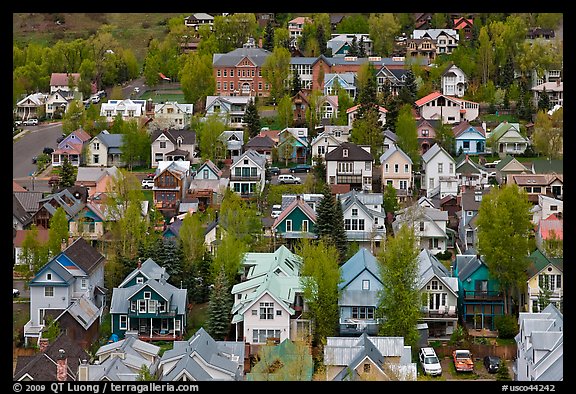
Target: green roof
x=538, y=261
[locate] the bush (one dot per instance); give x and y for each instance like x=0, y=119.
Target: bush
x=446, y=255
x=507, y=326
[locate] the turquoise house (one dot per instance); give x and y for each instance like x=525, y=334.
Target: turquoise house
x=479, y=298
x=297, y=220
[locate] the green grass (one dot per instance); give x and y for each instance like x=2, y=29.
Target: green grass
x=197, y=317
x=499, y=118
x=162, y=97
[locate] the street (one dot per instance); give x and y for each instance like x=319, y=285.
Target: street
x=31, y=144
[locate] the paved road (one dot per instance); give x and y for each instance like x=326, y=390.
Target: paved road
x=31, y=144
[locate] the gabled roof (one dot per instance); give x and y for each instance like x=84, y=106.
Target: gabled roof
x=506, y=160
x=429, y=267
x=433, y=96
x=468, y=264
x=355, y=153
x=211, y=166
x=62, y=79
x=19, y=212
x=251, y=154
x=110, y=140
x=149, y=269
x=539, y=261
x=43, y=235
x=260, y=142
x=390, y=151
x=466, y=127
x=188, y=136
x=256, y=55
x=83, y=310
x=433, y=151
x=297, y=203
x=357, y=106
x=84, y=255
x=362, y=261
x=95, y=174
x=504, y=128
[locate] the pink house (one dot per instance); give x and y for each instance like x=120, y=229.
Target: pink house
x=71, y=147
x=96, y=179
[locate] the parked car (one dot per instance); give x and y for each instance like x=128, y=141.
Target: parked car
x=288, y=178
x=61, y=138
x=17, y=123
x=276, y=210
x=301, y=168
x=15, y=293
x=31, y=122
x=34, y=159
x=492, y=363
x=274, y=170
x=429, y=361
x=463, y=360
x=147, y=183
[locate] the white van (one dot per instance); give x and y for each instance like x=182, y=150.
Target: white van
x=288, y=178
x=429, y=361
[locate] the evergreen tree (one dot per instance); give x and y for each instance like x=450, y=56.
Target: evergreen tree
x=325, y=214
x=544, y=101
x=409, y=91
x=268, y=43
x=252, y=119
x=321, y=39
x=219, y=306
x=296, y=84
x=507, y=73
x=393, y=108
x=330, y=223
x=353, y=48
x=67, y=173
x=339, y=237
x=171, y=257
x=361, y=48
x=407, y=132
x=367, y=89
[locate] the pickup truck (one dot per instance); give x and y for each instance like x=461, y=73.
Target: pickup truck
x=463, y=360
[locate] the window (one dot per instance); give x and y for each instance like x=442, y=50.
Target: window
x=433, y=243
x=266, y=310
x=466, y=145
x=162, y=144
x=96, y=159
x=354, y=211
x=425, y=132
x=139, y=280
x=152, y=306
x=49, y=276
x=123, y=322
x=363, y=312
x=406, y=168
x=347, y=224
x=288, y=225
x=553, y=207
x=49, y=291
x=96, y=146
x=344, y=152
x=305, y=225
x=368, y=166
x=386, y=167
x=147, y=295
x=365, y=284
x=440, y=168
x=421, y=226
x=451, y=168
x=278, y=312
x=403, y=185
x=254, y=312
x=396, y=168
x=231, y=73
x=83, y=284
x=141, y=306
x=367, y=368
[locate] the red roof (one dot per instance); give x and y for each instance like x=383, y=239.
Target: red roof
x=428, y=98
x=298, y=202
x=21, y=236
x=549, y=225
x=61, y=79
x=17, y=188
x=354, y=108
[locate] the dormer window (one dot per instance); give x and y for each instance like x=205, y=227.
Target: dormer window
x=139, y=280
x=345, y=152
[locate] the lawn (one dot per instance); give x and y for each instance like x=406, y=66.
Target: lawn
x=163, y=97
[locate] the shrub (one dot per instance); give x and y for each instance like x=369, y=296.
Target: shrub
x=507, y=326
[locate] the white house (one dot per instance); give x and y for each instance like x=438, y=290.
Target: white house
x=57, y=102
x=172, y=115
x=449, y=109
x=429, y=225
x=438, y=173
x=233, y=140
x=546, y=206
x=248, y=173
x=396, y=168
x=332, y=135
x=350, y=164
x=105, y=150
x=446, y=40
x=128, y=109
x=454, y=81
x=229, y=109
x=352, y=112
x=364, y=218
x=172, y=144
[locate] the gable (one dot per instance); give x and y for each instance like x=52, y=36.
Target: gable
x=471, y=133
x=513, y=165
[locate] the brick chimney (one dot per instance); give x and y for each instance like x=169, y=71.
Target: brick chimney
x=61, y=366
x=43, y=344
x=139, y=263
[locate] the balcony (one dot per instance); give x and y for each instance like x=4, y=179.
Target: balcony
x=471, y=295
x=147, y=315
x=245, y=178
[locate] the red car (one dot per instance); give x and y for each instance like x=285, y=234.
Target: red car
x=463, y=360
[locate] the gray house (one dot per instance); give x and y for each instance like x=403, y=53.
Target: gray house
x=74, y=274
x=203, y=358
x=359, y=294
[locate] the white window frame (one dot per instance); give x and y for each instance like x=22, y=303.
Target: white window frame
x=123, y=322
x=288, y=225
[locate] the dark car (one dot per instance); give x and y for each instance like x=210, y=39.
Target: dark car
x=274, y=170
x=34, y=159
x=492, y=363
x=301, y=168
x=61, y=138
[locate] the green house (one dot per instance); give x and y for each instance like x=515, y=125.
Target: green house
x=297, y=220
x=146, y=303
x=479, y=298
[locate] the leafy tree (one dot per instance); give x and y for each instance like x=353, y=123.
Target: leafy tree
x=485, y=50
x=504, y=227
x=196, y=79
x=144, y=374
x=321, y=39
x=344, y=103
x=407, y=133
x=285, y=114
x=544, y=296
x=191, y=238
x=282, y=38
x=34, y=253
x=353, y=24
x=209, y=142
x=52, y=329
x=390, y=199
x=445, y=138
x=73, y=118
x=239, y=219
x=548, y=136
x=320, y=276
x=232, y=31
x=219, y=306
x=399, y=299
x=383, y=27
x=319, y=168
x=58, y=232
x=252, y=119
x=276, y=70
x=135, y=145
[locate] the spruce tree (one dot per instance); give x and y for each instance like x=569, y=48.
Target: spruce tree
x=361, y=49
x=324, y=214
x=296, y=84
x=353, y=48
x=322, y=45
x=409, y=91
x=268, y=43
x=339, y=237
x=219, y=307
x=67, y=174
x=252, y=119
x=544, y=101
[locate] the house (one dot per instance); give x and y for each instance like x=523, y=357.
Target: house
x=55, y=362
x=480, y=300
x=438, y=173
x=547, y=206
x=89, y=222
x=286, y=361
x=390, y=139
x=547, y=166
x=207, y=186
x=444, y=40
x=540, y=344
x=147, y=303
x=105, y=150
x=470, y=201
x=312, y=199
x=424, y=47
x=208, y=170
x=331, y=135
x=464, y=27
x=201, y=358
x=346, y=81
x=540, y=33
x=453, y=81
x=239, y=72
x=65, y=82
x=295, y=221
x=18, y=242
x=300, y=105
x=261, y=144
x=352, y=112
x=549, y=229
x=350, y=164
x=423, y=20
x=268, y=303
x=72, y=204
x=470, y=173
x=469, y=139
x=364, y=218
x=451, y=204
x=121, y=360
x=75, y=273
x=171, y=181
x=359, y=292
x=229, y=109
x=24, y=206
x=327, y=109
x=58, y=101
x=506, y=139
x=172, y=145
x=96, y=180
x=554, y=90
x=340, y=44
x=429, y=225
x=295, y=28
x=390, y=80
x=248, y=173
x=448, y=109
x=233, y=141
x=73, y=148
x=293, y=144
x=544, y=274
x=199, y=19
x=127, y=109
x=172, y=115
x=550, y=185
x=29, y=106
x=396, y=167
x=368, y=358
x=426, y=130
x=509, y=165
x=439, y=294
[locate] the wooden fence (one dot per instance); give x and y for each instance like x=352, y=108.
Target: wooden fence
x=505, y=352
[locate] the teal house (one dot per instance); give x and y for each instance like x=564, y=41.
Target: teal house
x=146, y=303
x=479, y=298
x=297, y=220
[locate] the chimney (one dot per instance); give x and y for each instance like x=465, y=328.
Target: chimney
x=139, y=263
x=43, y=344
x=61, y=366
x=83, y=371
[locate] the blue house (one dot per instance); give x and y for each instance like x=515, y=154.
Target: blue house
x=359, y=290
x=470, y=139
x=479, y=297
x=146, y=303
x=293, y=142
